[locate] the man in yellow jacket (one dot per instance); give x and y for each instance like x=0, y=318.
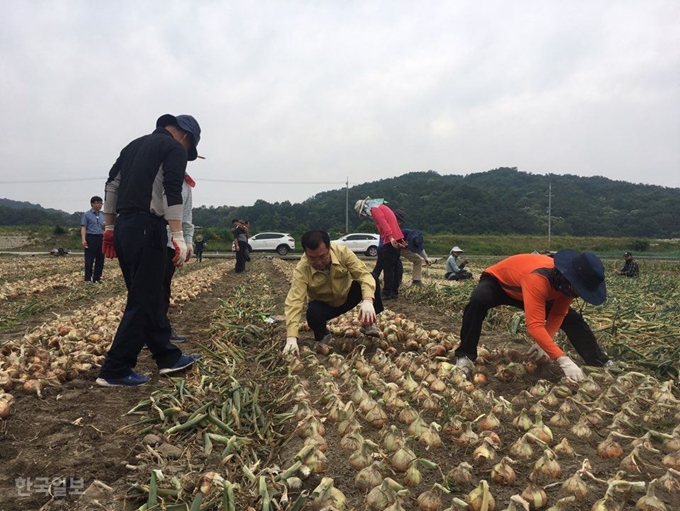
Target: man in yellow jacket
x=334, y=280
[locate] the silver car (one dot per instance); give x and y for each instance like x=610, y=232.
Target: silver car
x=361, y=242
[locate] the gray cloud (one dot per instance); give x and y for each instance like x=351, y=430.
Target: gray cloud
x=324, y=91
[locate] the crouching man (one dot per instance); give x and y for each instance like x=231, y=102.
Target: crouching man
x=334, y=280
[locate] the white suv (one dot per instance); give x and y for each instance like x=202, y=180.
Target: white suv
x=279, y=242
x=362, y=242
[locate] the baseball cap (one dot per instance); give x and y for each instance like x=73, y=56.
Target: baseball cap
x=186, y=123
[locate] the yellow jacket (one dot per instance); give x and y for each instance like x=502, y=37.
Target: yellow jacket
x=332, y=289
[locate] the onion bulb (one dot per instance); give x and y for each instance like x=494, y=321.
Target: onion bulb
x=431, y=500
x=522, y=422
x=671, y=460
x=564, y=447
x=430, y=437
x=326, y=495
x=489, y=422
x=480, y=499
x=384, y=495
x=503, y=473
x=401, y=460
x=609, y=448
x=369, y=477
x=671, y=481
x=575, y=486
x=392, y=439
x=562, y=504
x=461, y=475
x=650, y=502
x=535, y=496
x=548, y=466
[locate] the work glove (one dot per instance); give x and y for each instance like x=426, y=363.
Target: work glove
x=180, y=248
x=571, y=370
x=190, y=252
x=537, y=354
x=367, y=312
x=107, y=243
x=291, y=347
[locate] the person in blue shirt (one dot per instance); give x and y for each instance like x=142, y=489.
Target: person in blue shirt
x=91, y=235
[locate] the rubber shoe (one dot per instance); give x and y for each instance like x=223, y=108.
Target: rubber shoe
x=131, y=380
x=466, y=365
x=370, y=331
x=417, y=283
x=326, y=339
x=609, y=363
x=183, y=362
x=175, y=337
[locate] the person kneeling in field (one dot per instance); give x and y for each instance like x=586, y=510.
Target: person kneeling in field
x=334, y=280
x=544, y=287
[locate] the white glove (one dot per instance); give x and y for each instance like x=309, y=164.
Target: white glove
x=367, y=312
x=180, y=249
x=537, y=354
x=291, y=346
x=190, y=252
x=571, y=370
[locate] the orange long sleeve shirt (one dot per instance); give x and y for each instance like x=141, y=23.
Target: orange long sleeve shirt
x=525, y=277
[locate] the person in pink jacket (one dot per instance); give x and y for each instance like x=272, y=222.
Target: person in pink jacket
x=392, y=240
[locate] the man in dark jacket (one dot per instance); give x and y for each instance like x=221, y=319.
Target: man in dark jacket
x=630, y=267
x=143, y=196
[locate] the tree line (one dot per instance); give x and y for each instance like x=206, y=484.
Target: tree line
x=499, y=201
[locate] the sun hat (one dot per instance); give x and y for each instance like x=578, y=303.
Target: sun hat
x=186, y=123
x=359, y=205
x=585, y=272
x=457, y=249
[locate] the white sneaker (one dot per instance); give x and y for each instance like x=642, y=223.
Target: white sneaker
x=466, y=365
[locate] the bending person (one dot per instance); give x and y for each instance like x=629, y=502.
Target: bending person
x=544, y=287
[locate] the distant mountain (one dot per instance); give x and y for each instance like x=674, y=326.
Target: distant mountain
x=14, y=212
x=500, y=201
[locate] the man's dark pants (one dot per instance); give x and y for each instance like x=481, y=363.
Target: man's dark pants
x=390, y=260
x=94, y=257
x=140, y=240
x=489, y=294
x=241, y=259
x=319, y=313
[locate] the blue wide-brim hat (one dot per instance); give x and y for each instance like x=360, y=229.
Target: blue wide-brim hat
x=585, y=272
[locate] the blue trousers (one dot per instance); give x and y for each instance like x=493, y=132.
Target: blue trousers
x=94, y=257
x=141, y=240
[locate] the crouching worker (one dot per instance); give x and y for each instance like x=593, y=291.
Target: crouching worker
x=334, y=280
x=544, y=287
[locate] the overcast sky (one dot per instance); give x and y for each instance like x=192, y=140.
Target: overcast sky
x=318, y=92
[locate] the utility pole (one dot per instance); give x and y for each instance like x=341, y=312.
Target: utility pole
x=347, y=206
x=549, y=213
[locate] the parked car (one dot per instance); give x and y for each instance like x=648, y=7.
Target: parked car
x=279, y=242
x=362, y=242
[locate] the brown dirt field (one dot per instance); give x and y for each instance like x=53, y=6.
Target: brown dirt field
x=78, y=430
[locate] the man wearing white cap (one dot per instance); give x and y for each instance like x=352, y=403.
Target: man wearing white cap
x=455, y=265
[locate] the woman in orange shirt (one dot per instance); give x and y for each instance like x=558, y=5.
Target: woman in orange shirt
x=544, y=287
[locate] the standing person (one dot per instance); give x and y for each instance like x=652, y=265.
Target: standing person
x=392, y=238
x=334, y=280
x=630, y=267
x=200, y=246
x=544, y=287
x=246, y=228
x=240, y=245
x=143, y=196
x=91, y=234
x=414, y=252
x=188, y=235
x=455, y=265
